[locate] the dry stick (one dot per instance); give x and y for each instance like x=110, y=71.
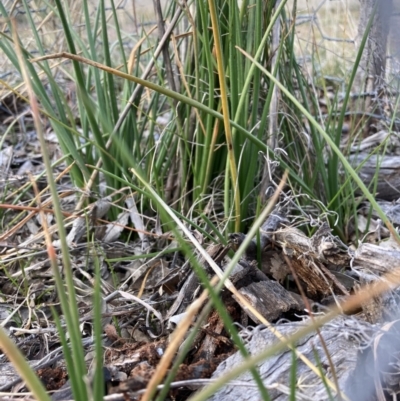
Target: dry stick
x=161, y=34
x=273, y=114
x=172, y=85
x=130, y=103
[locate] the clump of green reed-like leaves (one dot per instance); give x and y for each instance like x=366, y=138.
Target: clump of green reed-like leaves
x=197, y=157
x=218, y=106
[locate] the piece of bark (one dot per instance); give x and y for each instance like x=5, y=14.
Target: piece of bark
x=369, y=258
x=372, y=67
x=317, y=280
x=308, y=257
x=375, y=260
x=270, y=299
x=322, y=246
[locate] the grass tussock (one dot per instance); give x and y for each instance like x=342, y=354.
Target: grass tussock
x=170, y=138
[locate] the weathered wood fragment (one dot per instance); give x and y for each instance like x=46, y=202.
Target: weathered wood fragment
x=343, y=338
